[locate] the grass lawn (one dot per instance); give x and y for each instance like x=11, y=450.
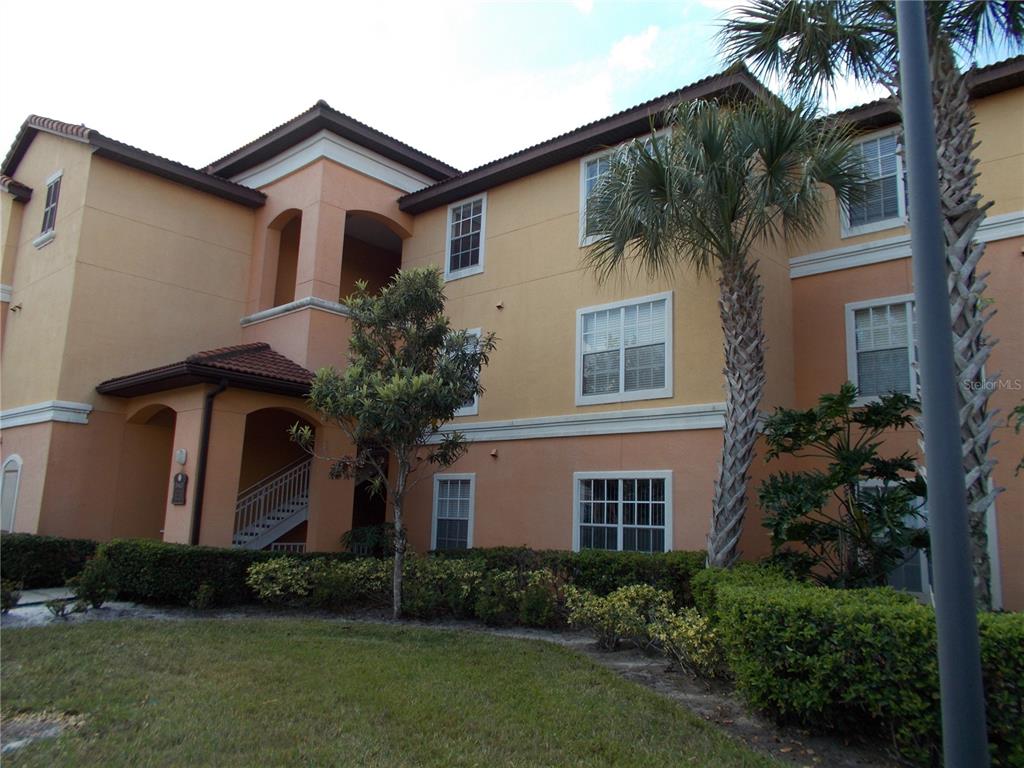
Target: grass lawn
x=308, y=693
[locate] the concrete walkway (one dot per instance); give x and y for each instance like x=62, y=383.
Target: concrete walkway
x=40, y=596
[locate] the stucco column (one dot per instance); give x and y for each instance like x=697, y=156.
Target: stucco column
x=330, y=501
x=223, y=468
x=178, y=517
x=320, y=244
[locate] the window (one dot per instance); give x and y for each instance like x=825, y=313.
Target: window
x=624, y=351
x=10, y=479
x=591, y=170
x=622, y=511
x=464, y=245
x=46, y=233
x=914, y=574
x=884, y=202
x=471, y=407
x=453, y=511
x=880, y=345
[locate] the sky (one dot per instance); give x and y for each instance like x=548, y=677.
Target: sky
x=466, y=82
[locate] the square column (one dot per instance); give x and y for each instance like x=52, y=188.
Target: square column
x=320, y=245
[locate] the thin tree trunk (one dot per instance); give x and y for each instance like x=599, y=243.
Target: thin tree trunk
x=741, y=306
x=397, y=500
x=963, y=212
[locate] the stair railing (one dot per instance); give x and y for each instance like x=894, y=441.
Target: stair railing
x=271, y=493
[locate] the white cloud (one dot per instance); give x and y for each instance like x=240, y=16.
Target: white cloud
x=583, y=6
x=633, y=52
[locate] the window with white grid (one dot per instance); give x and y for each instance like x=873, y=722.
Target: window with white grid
x=624, y=351
x=472, y=406
x=883, y=200
x=48, y=230
x=629, y=512
x=592, y=169
x=880, y=346
x=453, y=511
x=464, y=246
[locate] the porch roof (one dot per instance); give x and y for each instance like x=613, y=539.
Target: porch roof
x=249, y=366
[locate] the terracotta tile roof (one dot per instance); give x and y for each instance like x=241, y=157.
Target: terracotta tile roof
x=129, y=155
x=18, y=190
x=319, y=117
x=250, y=366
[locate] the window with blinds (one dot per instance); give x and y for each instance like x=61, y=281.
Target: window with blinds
x=593, y=169
x=453, y=511
x=882, y=198
x=624, y=351
x=883, y=337
x=623, y=513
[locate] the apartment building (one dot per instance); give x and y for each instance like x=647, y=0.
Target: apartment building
x=161, y=323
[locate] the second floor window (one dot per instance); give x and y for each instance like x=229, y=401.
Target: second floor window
x=465, y=242
x=46, y=232
x=624, y=351
x=882, y=203
x=593, y=169
x=880, y=346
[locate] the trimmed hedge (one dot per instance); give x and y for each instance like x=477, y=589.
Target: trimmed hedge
x=42, y=561
x=858, y=660
x=594, y=570
x=149, y=571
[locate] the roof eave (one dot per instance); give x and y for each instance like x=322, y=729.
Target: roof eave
x=578, y=143
x=187, y=374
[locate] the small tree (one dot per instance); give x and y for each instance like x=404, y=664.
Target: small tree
x=408, y=374
x=856, y=517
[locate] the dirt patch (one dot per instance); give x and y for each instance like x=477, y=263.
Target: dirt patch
x=21, y=729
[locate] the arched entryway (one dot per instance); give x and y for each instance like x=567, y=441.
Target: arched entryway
x=372, y=252
x=273, y=487
x=145, y=472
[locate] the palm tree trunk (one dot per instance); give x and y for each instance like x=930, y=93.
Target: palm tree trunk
x=963, y=212
x=741, y=306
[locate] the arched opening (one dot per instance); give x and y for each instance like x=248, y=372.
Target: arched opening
x=144, y=479
x=285, y=232
x=10, y=478
x=273, y=486
x=372, y=252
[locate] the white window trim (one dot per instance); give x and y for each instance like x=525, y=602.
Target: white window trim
x=471, y=476
x=851, y=342
x=623, y=397
x=586, y=239
x=474, y=409
x=477, y=268
x=900, y=220
x=46, y=237
x=652, y=474
x=16, y=460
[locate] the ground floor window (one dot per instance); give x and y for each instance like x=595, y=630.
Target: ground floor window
x=452, y=526
x=623, y=511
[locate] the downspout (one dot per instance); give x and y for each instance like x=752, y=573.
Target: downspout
x=204, y=449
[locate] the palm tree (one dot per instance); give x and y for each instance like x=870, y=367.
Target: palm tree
x=812, y=44
x=723, y=180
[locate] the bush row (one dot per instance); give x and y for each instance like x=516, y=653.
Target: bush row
x=857, y=660
x=177, y=574
x=42, y=561
x=432, y=588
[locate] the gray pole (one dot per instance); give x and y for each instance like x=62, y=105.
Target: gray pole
x=964, y=741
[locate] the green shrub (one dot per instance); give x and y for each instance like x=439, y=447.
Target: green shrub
x=95, y=585
x=10, y=594
x=346, y=585
x=688, y=639
x=861, y=660
x=542, y=603
x=498, y=598
x=58, y=607
x=156, y=572
x=282, y=580
x=204, y=598
x=435, y=587
x=624, y=615
x=42, y=561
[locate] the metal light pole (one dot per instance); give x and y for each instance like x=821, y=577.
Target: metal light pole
x=964, y=740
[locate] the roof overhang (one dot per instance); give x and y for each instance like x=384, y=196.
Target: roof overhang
x=126, y=154
x=188, y=373
x=15, y=189
x=322, y=117
x=734, y=83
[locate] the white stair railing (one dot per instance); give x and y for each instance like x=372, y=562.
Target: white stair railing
x=271, y=496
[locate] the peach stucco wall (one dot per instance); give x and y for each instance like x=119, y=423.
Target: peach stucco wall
x=524, y=495
x=819, y=336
